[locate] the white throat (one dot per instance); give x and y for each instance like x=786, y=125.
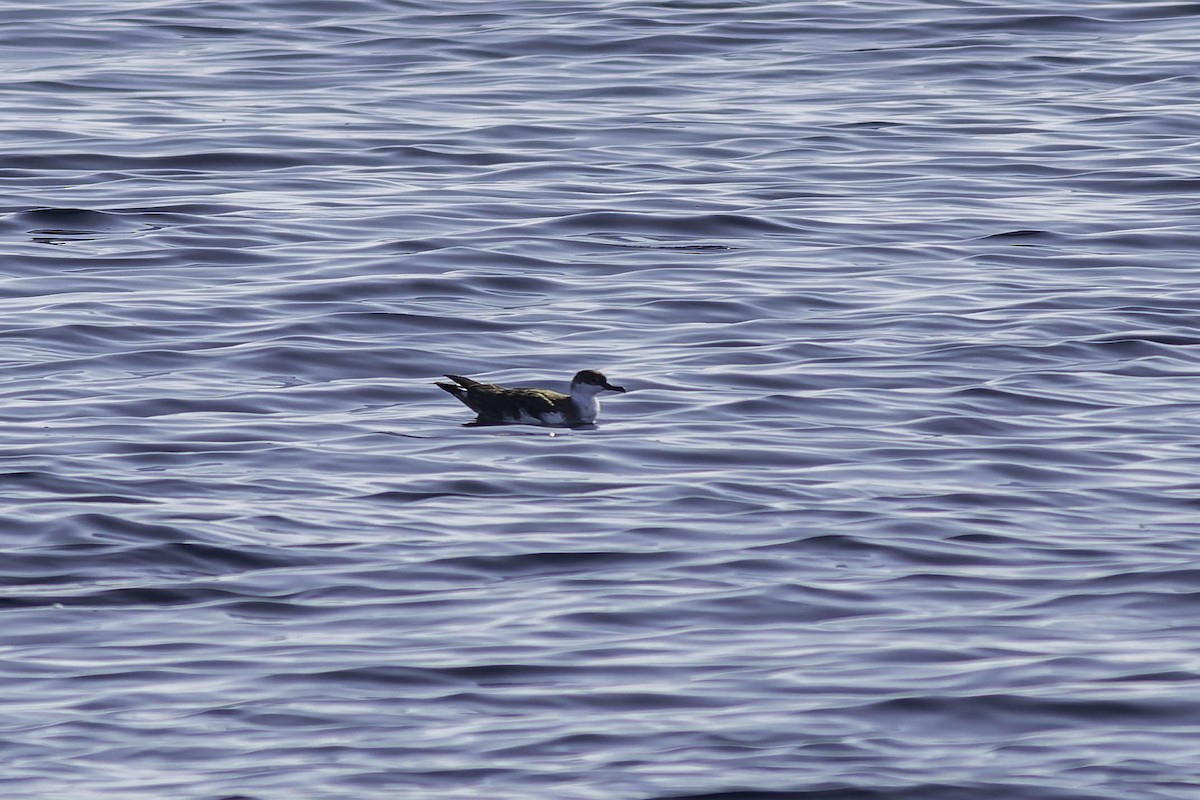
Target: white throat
x=583, y=396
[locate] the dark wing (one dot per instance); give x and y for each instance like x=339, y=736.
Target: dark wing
x=495, y=403
x=492, y=402
x=457, y=391
x=464, y=386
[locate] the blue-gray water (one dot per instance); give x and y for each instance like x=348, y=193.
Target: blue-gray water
x=902, y=504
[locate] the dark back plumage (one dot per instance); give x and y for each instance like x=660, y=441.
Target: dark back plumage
x=496, y=404
x=533, y=406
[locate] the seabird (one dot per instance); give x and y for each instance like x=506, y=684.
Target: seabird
x=495, y=404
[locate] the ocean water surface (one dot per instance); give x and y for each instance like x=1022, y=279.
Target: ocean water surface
x=902, y=503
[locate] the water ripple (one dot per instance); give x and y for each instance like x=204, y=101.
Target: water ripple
x=900, y=503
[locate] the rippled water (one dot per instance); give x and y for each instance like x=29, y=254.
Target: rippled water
x=902, y=503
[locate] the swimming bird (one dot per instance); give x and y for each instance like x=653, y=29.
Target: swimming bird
x=495, y=404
